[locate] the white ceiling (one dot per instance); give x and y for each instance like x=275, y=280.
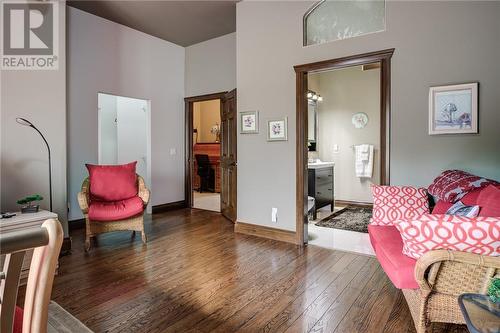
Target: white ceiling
x=181, y=22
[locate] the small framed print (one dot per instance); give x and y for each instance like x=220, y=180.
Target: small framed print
x=453, y=109
x=249, y=122
x=277, y=129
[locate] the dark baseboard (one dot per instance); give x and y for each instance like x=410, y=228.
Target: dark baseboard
x=76, y=224
x=265, y=232
x=169, y=206
x=353, y=203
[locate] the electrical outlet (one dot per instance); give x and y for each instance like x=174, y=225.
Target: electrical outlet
x=274, y=214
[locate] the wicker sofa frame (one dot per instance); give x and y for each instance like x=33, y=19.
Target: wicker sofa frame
x=442, y=276
x=134, y=223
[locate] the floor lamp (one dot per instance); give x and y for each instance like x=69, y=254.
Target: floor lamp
x=25, y=122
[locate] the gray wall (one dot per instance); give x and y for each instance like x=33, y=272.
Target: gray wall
x=211, y=66
x=436, y=43
x=345, y=92
x=111, y=58
x=39, y=96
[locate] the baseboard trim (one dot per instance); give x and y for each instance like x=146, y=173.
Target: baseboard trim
x=169, y=206
x=265, y=232
x=353, y=203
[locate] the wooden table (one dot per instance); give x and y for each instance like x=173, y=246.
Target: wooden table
x=22, y=222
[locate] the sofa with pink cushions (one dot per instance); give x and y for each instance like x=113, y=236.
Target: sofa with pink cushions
x=433, y=279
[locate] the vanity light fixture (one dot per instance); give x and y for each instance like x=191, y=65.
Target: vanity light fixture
x=312, y=96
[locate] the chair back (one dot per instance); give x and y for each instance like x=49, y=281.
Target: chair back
x=46, y=243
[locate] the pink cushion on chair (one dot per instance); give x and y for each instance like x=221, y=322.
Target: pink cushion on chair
x=388, y=246
x=489, y=201
x=112, y=182
x=115, y=210
x=480, y=235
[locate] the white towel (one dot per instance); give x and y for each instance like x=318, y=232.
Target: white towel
x=364, y=161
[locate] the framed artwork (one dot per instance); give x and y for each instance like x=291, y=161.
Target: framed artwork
x=249, y=122
x=277, y=129
x=453, y=109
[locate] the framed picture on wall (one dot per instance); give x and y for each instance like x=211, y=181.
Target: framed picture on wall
x=277, y=129
x=249, y=122
x=453, y=109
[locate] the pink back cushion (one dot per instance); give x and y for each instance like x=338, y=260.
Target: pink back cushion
x=480, y=235
x=393, y=203
x=112, y=182
x=489, y=201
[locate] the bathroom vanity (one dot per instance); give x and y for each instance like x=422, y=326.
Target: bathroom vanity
x=320, y=184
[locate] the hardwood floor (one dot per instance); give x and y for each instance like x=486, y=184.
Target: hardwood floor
x=196, y=275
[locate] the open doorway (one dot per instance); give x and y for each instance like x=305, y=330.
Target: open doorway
x=124, y=133
x=343, y=123
x=211, y=153
x=206, y=177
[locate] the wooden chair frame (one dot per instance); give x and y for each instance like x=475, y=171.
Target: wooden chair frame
x=46, y=242
x=134, y=223
x=442, y=276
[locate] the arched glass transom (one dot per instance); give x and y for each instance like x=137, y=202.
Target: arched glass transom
x=330, y=20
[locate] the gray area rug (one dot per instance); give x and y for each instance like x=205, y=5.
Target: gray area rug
x=61, y=321
x=349, y=218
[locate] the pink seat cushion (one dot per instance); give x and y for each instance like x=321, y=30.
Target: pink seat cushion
x=388, y=246
x=112, y=182
x=18, y=320
x=489, y=201
x=115, y=210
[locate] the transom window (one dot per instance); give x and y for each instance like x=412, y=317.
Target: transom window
x=330, y=20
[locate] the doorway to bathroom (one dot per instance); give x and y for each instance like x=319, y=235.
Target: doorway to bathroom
x=124, y=133
x=343, y=124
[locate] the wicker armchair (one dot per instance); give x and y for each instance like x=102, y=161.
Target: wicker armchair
x=442, y=276
x=93, y=228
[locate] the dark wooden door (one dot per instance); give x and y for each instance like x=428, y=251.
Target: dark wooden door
x=228, y=156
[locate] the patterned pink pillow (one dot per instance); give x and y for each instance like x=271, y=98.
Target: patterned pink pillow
x=393, y=203
x=452, y=185
x=480, y=235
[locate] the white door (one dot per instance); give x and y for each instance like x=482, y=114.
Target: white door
x=132, y=133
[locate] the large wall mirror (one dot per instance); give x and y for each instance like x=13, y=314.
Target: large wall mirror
x=312, y=128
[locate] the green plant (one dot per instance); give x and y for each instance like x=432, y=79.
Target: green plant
x=29, y=199
x=494, y=290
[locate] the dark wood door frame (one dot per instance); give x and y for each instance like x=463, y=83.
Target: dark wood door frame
x=301, y=71
x=188, y=159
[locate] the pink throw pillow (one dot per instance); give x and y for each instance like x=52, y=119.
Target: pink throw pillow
x=393, y=203
x=112, y=182
x=489, y=201
x=480, y=235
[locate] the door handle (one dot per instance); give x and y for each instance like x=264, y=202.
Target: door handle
x=232, y=164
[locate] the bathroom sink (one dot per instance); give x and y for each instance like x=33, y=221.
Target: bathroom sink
x=316, y=165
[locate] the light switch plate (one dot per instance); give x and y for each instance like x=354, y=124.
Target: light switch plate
x=335, y=148
x=274, y=214
x=173, y=151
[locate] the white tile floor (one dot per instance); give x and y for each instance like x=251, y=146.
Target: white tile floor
x=206, y=201
x=337, y=239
